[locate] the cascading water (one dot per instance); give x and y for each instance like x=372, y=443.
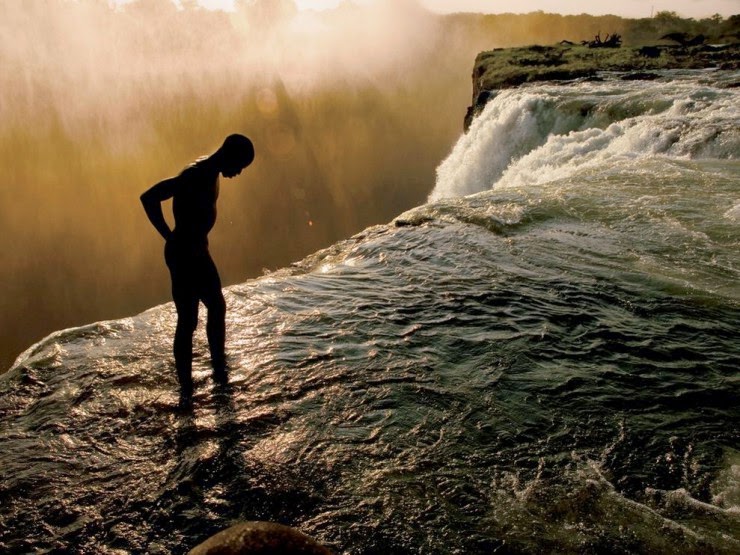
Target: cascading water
x=540, y=134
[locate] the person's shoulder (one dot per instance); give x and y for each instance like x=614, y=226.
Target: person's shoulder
x=197, y=169
x=196, y=166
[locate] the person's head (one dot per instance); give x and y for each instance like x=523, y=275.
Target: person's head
x=235, y=154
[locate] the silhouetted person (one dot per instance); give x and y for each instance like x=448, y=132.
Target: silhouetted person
x=194, y=275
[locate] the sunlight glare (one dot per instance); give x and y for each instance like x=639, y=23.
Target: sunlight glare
x=317, y=4
x=228, y=5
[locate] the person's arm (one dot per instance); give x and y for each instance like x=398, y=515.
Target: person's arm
x=152, y=201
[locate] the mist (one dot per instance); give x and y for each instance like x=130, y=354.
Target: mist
x=100, y=103
x=350, y=111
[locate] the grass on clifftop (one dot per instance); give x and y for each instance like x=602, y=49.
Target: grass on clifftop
x=510, y=67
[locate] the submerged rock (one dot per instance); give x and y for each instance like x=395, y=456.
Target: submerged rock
x=260, y=538
x=640, y=76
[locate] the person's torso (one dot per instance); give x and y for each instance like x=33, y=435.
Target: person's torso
x=194, y=202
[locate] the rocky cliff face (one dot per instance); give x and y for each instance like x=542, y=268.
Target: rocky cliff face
x=505, y=68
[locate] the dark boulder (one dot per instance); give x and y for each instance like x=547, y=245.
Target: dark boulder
x=649, y=51
x=640, y=76
x=260, y=538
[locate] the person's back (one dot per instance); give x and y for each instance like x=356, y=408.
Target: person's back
x=194, y=275
x=194, y=201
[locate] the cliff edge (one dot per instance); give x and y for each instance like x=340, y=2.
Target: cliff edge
x=505, y=68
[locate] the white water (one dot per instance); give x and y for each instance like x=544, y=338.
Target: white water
x=534, y=135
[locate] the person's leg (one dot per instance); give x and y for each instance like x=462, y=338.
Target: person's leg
x=187, y=321
x=185, y=295
x=213, y=299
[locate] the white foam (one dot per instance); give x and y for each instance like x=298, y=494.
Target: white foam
x=507, y=127
x=726, y=489
x=733, y=213
x=540, y=134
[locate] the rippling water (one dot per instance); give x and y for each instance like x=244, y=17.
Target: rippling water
x=548, y=365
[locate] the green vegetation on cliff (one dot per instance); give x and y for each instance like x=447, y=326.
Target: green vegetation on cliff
x=505, y=68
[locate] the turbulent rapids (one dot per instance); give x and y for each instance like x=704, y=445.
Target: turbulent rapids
x=538, y=134
x=548, y=364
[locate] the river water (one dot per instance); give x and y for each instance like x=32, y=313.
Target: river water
x=543, y=358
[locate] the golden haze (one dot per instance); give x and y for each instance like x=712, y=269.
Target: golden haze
x=350, y=111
